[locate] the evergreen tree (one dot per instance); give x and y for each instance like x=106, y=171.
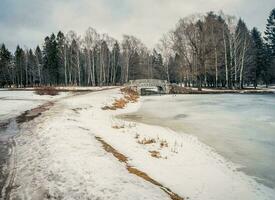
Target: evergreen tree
x=33, y=75
x=19, y=65
x=270, y=32
x=115, y=63
x=158, y=68
x=259, y=61
x=50, y=60
x=5, y=62
x=61, y=42
x=270, y=47
x=39, y=62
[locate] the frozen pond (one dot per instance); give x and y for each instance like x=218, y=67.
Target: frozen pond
x=239, y=127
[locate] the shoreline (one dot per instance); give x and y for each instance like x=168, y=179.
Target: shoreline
x=179, y=90
x=179, y=162
x=185, y=124
x=208, y=150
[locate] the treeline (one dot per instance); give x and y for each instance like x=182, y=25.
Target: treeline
x=217, y=50
x=71, y=60
x=212, y=50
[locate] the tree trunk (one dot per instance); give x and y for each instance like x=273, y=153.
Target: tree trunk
x=65, y=65
x=78, y=68
x=242, y=65
x=225, y=60
x=216, y=67
x=93, y=71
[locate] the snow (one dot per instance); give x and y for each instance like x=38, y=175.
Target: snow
x=13, y=103
x=58, y=156
x=92, y=88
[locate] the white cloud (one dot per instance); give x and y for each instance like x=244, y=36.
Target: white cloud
x=146, y=19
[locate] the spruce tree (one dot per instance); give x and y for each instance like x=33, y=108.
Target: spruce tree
x=5, y=61
x=19, y=65
x=38, y=56
x=270, y=32
x=50, y=60
x=270, y=50
x=259, y=61
x=61, y=48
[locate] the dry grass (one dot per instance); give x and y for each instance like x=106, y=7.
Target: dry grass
x=163, y=143
x=108, y=108
x=110, y=149
x=118, y=127
x=120, y=103
x=136, y=136
x=146, y=141
x=155, y=154
x=129, y=96
x=136, y=171
x=46, y=91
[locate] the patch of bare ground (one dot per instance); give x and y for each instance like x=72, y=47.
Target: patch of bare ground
x=33, y=113
x=46, y=91
x=129, y=96
x=135, y=171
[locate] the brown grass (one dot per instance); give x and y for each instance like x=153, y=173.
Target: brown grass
x=110, y=149
x=46, y=91
x=155, y=154
x=108, y=108
x=129, y=96
x=120, y=103
x=146, y=141
x=136, y=171
x=163, y=143
x=118, y=127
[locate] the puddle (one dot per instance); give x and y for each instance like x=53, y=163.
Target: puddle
x=9, y=129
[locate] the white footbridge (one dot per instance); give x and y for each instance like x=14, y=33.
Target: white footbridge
x=150, y=85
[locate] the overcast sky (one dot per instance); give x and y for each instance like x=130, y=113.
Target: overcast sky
x=27, y=22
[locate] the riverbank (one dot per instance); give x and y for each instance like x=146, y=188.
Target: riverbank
x=58, y=155
x=191, y=90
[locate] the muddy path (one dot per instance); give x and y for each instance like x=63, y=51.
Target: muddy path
x=8, y=130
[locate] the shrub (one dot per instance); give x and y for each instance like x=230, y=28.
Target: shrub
x=46, y=91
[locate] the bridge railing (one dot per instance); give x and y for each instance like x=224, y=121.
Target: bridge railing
x=147, y=82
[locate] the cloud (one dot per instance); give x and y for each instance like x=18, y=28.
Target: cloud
x=27, y=22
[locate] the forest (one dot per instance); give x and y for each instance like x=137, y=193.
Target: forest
x=203, y=50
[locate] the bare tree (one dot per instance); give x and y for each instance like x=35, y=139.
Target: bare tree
x=165, y=46
x=91, y=39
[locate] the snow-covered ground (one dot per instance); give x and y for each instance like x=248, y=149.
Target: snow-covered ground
x=13, y=103
x=57, y=157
